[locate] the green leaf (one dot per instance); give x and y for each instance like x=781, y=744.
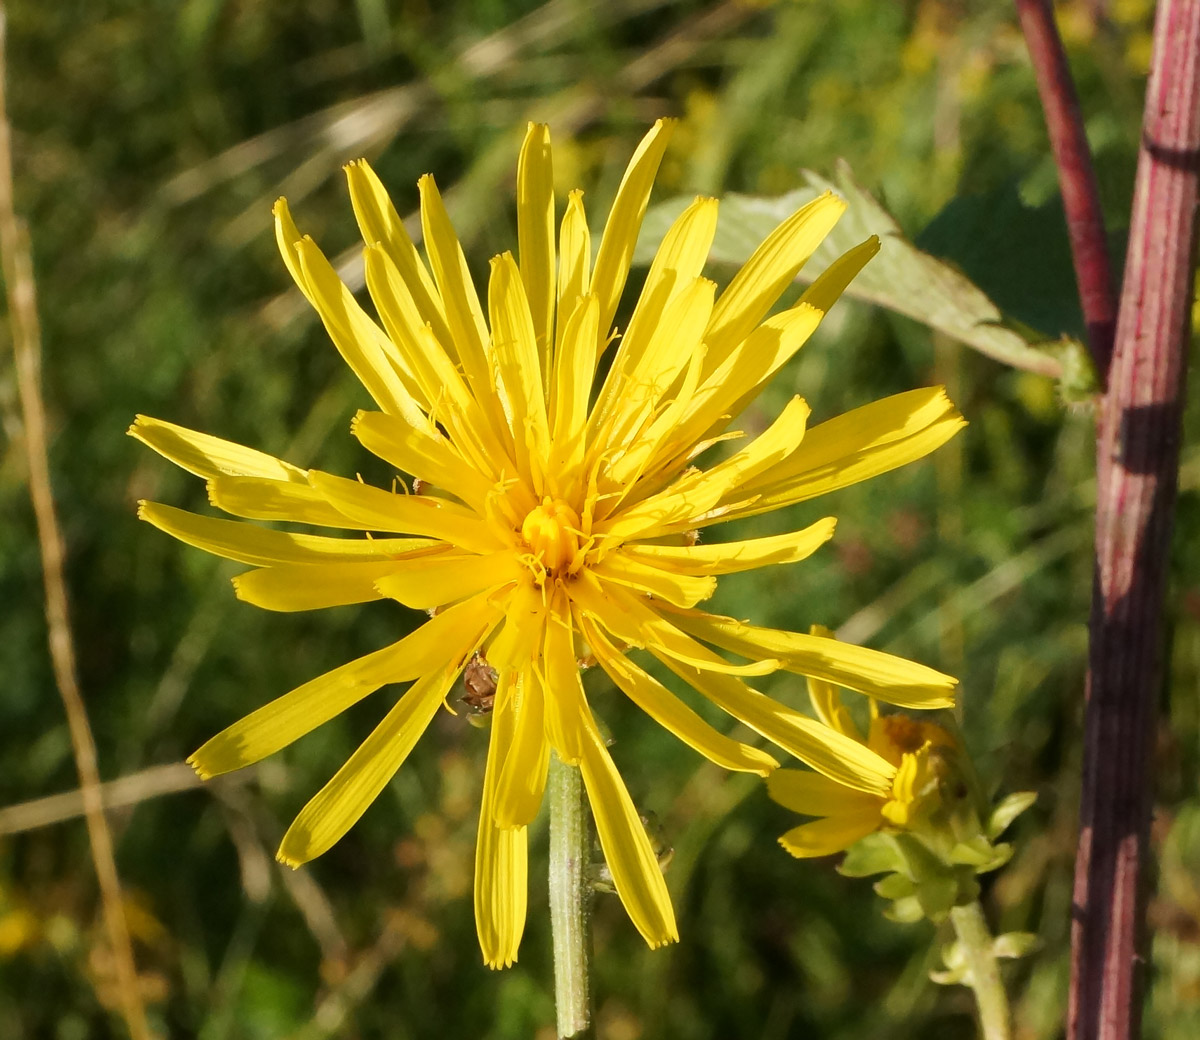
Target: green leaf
x=1016, y=944
x=874, y=854
x=937, y=896
x=1007, y=811
x=894, y=886
x=905, y=911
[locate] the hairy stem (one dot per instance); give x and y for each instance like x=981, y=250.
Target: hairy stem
x=1137, y=474
x=570, y=900
x=975, y=939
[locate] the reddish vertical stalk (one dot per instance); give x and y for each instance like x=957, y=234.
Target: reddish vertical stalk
x=1137, y=467
x=1076, y=178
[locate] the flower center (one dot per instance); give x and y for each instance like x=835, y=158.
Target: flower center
x=552, y=532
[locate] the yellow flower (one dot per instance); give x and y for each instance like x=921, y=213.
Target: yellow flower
x=546, y=527
x=916, y=749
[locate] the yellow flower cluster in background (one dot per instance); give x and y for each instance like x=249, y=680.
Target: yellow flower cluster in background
x=556, y=520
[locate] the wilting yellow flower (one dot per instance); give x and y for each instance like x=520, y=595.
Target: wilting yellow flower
x=546, y=527
x=916, y=749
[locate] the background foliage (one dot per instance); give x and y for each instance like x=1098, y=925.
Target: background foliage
x=151, y=140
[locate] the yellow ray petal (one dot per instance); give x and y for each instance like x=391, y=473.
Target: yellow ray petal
x=716, y=401
x=888, y=678
x=290, y=587
x=566, y=708
x=574, y=362
x=625, y=220
x=638, y=623
x=825, y=837
x=829, y=285
x=257, y=498
x=749, y=366
x=630, y=857
x=856, y=446
x=208, y=456
x=535, y=235
x=436, y=580
x=464, y=315
x=635, y=384
x=287, y=718
x=679, y=260
x=380, y=510
x=436, y=375
x=424, y=454
x=519, y=793
x=670, y=712
x=369, y=353
x=575, y=257
x=683, y=590
x=827, y=751
x=827, y=702
x=515, y=350
x=730, y=557
x=381, y=224
x=264, y=547
x=769, y=271
x=776, y=443
x=286, y=237
x=501, y=858
x=676, y=268
x=817, y=795
x=339, y=804
x=632, y=471
x=687, y=503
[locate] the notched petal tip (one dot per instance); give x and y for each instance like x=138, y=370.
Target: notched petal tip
x=791, y=850
x=501, y=962
x=288, y=861
x=198, y=769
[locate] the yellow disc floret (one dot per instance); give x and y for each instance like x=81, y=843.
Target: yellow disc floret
x=552, y=533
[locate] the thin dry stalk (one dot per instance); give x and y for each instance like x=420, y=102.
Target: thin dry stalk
x=22, y=314
x=1137, y=474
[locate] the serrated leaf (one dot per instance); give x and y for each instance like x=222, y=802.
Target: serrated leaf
x=902, y=278
x=1007, y=811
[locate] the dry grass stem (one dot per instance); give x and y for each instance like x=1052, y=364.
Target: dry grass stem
x=23, y=321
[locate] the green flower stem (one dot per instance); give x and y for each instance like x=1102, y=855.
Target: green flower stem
x=570, y=900
x=983, y=977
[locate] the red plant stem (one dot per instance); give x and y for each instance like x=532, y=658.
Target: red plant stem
x=1137, y=470
x=1076, y=179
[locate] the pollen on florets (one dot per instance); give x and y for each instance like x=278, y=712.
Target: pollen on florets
x=552, y=533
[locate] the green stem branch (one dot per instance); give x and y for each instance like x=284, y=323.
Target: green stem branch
x=570, y=900
x=975, y=940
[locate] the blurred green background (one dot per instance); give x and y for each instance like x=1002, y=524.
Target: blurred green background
x=150, y=141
